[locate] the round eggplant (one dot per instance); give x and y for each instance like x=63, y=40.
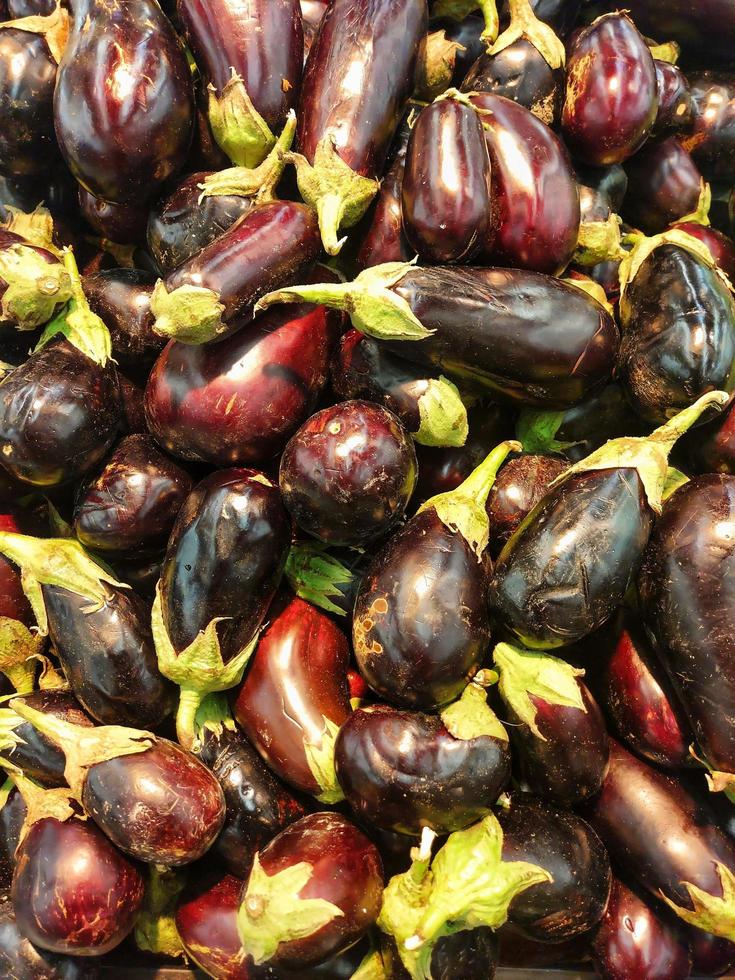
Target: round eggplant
x=21, y=960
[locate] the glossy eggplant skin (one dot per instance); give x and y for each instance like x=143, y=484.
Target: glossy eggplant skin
x=569, y=849
x=675, y=104
x=550, y=599
x=384, y=239
x=523, y=336
x=470, y=953
x=518, y=487
x=678, y=329
x=633, y=942
x=601, y=190
x=606, y=414
x=520, y=73
x=21, y=960
x=663, y=186
x=421, y=627
x=611, y=98
x=296, y=683
x=375, y=41
x=446, y=191
x=711, y=447
x=13, y=815
x=108, y=656
x=239, y=401
x=225, y=558
x=122, y=223
x=13, y=601
x=73, y=892
x=122, y=298
x=59, y=414
x=712, y=141
x=183, y=223
x=712, y=956
x=258, y=805
x=687, y=598
x=720, y=246
x=124, y=64
x=402, y=771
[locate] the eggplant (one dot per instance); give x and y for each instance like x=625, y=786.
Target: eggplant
x=13, y=813
x=551, y=594
x=664, y=186
x=710, y=448
x=469, y=324
x=20, y=644
x=124, y=101
x=421, y=626
x=712, y=139
x=33, y=283
x=635, y=942
x=719, y=245
x=21, y=960
x=122, y=300
x=251, y=56
x=357, y=80
x=312, y=12
x=384, y=240
x=211, y=294
x=470, y=953
x=611, y=98
x=712, y=956
x=295, y=697
x=403, y=771
x=223, y=564
x=121, y=223
x=518, y=487
x=667, y=841
x=557, y=731
x=675, y=103
x=348, y=473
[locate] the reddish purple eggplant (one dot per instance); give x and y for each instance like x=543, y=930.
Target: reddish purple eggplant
x=357, y=80
x=348, y=474
x=251, y=55
x=519, y=486
x=712, y=139
x=446, y=191
x=124, y=102
x=711, y=447
x=667, y=841
x=664, y=185
x=312, y=12
x=121, y=223
x=635, y=942
x=675, y=103
x=719, y=245
x=612, y=97
x=21, y=960
x=295, y=697
x=20, y=643
x=384, y=239
x=521, y=335
x=313, y=892
x=122, y=300
x=206, y=921
x=212, y=293
x=403, y=771
x=556, y=729
x=225, y=558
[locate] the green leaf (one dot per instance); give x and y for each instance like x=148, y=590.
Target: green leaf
x=155, y=927
x=315, y=575
x=674, y=479
x=77, y=323
x=320, y=759
x=472, y=717
x=537, y=431
x=710, y=913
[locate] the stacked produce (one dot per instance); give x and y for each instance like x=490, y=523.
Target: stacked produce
x=367, y=488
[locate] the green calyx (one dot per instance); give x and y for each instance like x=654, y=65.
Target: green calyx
x=213, y=715
x=442, y=414
x=40, y=803
x=20, y=649
x=674, y=479
x=259, y=182
x=55, y=561
x=711, y=913
x=189, y=314
x=338, y=194
x=525, y=24
x=369, y=300
x=700, y=215
x=237, y=126
x=463, y=509
x=459, y=9
x=320, y=759
x=315, y=575
x=593, y=289
x=647, y=454
x=371, y=967
x=472, y=717
x=537, y=431
x=668, y=51
x=36, y=227
x=436, y=61
x=525, y=674
x=77, y=323
x=35, y=287
x=599, y=241
x=198, y=670
x=54, y=27
x=155, y=927
x=272, y=913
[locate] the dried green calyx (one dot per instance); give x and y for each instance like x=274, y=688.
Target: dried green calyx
x=259, y=182
x=189, y=314
x=525, y=24
x=471, y=716
x=315, y=575
x=599, y=241
x=442, y=414
x=35, y=287
x=436, y=61
x=537, y=431
x=40, y=802
x=155, y=927
x=20, y=652
x=54, y=27
x=700, y=215
x=711, y=913
x=35, y=227
x=237, y=126
x=459, y=9
x=320, y=759
x=77, y=323
x=668, y=51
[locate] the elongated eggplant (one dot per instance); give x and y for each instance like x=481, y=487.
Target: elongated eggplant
x=675, y=103
x=384, y=239
x=712, y=139
x=224, y=562
x=295, y=697
x=611, y=98
x=122, y=300
x=667, y=841
x=421, y=626
x=211, y=294
x=519, y=486
x=521, y=335
x=121, y=223
x=664, y=185
x=351, y=106
x=21, y=960
x=566, y=569
x=124, y=101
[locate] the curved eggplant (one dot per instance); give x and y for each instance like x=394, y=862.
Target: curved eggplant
x=518, y=487
x=712, y=140
x=664, y=185
x=675, y=103
x=122, y=300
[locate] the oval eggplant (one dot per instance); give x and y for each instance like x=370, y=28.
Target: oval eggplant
x=21, y=960
x=712, y=140
x=664, y=185
x=519, y=486
x=122, y=299
x=520, y=73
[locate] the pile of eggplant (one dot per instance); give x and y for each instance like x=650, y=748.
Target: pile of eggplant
x=367, y=488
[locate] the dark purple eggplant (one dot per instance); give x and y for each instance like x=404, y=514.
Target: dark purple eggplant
x=519, y=486
x=348, y=473
x=122, y=300
x=384, y=239
x=667, y=841
x=712, y=139
x=664, y=185
x=124, y=102
x=556, y=729
x=13, y=813
x=212, y=293
x=712, y=956
x=295, y=697
x=121, y=223
x=225, y=557
x=403, y=771
x=21, y=960
x=524, y=336
x=675, y=103
x=357, y=80
x=711, y=447
x=566, y=569
x=421, y=626
x=611, y=97
x=719, y=245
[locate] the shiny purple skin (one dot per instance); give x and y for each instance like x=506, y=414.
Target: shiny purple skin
x=21, y=960
x=239, y=401
x=536, y=199
x=663, y=185
x=13, y=814
x=518, y=487
x=712, y=140
x=712, y=956
x=348, y=473
x=402, y=771
x=710, y=448
x=132, y=503
x=635, y=942
x=358, y=78
x=470, y=953
x=601, y=190
x=384, y=239
x=122, y=223
x=675, y=104
x=312, y=12
x=611, y=98
x=446, y=195
x=520, y=73
x=73, y=892
x=225, y=558
x=720, y=246
x=124, y=101
x=59, y=414
x=122, y=298
x=262, y=41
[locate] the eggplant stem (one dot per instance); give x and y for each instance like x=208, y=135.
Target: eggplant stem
x=189, y=702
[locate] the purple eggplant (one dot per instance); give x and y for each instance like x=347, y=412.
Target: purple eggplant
x=21, y=960
x=712, y=139
x=664, y=185
x=675, y=103
x=13, y=813
x=712, y=956
x=124, y=224
x=384, y=239
x=122, y=300
x=519, y=486
x=711, y=447
x=719, y=245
